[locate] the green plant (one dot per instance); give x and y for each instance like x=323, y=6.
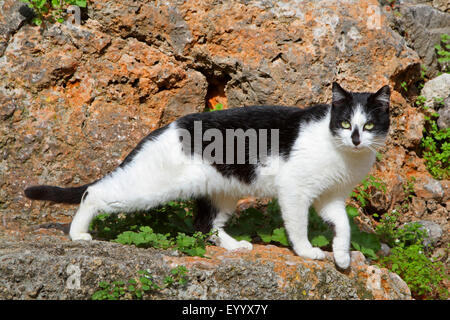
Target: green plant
x=408, y=257
x=256, y=226
x=420, y=102
x=137, y=287
x=173, y=217
x=435, y=146
x=191, y=245
x=422, y=275
x=51, y=10
x=404, y=86
x=169, y=226
x=443, y=52
x=177, y=275
x=216, y=107
x=408, y=188
x=145, y=238
x=423, y=72
x=391, y=234
x=362, y=193
x=379, y=156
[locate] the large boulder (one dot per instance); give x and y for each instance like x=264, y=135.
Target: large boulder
x=49, y=269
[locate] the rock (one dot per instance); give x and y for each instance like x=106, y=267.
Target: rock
x=446, y=186
x=442, y=5
x=435, y=188
x=422, y=25
x=73, y=270
x=432, y=205
x=384, y=251
x=433, y=230
x=428, y=188
x=414, y=130
x=418, y=206
x=443, y=121
x=12, y=16
x=437, y=88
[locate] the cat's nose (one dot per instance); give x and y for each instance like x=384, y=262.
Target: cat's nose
x=355, y=138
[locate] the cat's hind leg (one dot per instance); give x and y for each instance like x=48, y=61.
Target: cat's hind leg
x=225, y=208
x=80, y=224
x=93, y=203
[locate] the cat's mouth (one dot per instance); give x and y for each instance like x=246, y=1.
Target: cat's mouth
x=355, y=149
x=359, y=148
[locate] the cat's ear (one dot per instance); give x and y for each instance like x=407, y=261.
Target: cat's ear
x=382, y=98
x=340, y=96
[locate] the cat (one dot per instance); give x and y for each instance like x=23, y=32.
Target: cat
x=314, y=156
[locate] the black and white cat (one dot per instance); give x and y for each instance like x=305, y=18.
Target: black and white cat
x=304, y=157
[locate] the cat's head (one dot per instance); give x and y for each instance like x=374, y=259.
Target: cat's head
x=359, y=120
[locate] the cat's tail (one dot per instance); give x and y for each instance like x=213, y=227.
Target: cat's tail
x=57, y=194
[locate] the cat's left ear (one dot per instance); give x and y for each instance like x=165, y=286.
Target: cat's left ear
x=382, y=98
x=340, y=95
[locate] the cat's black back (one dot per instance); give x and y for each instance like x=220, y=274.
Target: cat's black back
x=287, y=120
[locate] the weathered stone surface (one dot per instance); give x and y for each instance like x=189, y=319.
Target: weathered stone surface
x=428, y=188
x=46, y=269
x=418, y=206
x=422, y=26
x=442, y=5
x=12, y=16
x=437, y=88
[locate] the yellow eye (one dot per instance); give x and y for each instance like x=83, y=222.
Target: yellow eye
x=346, y=124
x=368, y=126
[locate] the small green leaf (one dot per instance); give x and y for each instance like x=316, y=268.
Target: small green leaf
x=319, y=241
x=218, y=106
x=356, y=246
x=352, y=211
x=81, y=3
x=279, y=235
x=39, y=3
x=37, y=21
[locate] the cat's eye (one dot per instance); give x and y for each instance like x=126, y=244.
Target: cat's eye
x=368, y=126
x=346, y=125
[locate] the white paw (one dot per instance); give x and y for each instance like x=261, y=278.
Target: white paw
x=243, y=244
x=342, y=259
x=311, y=253
x=237, y=245
x=81, y=236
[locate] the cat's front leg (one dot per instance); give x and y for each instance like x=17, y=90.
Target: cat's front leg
x=294, y=210
x=332, y=210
